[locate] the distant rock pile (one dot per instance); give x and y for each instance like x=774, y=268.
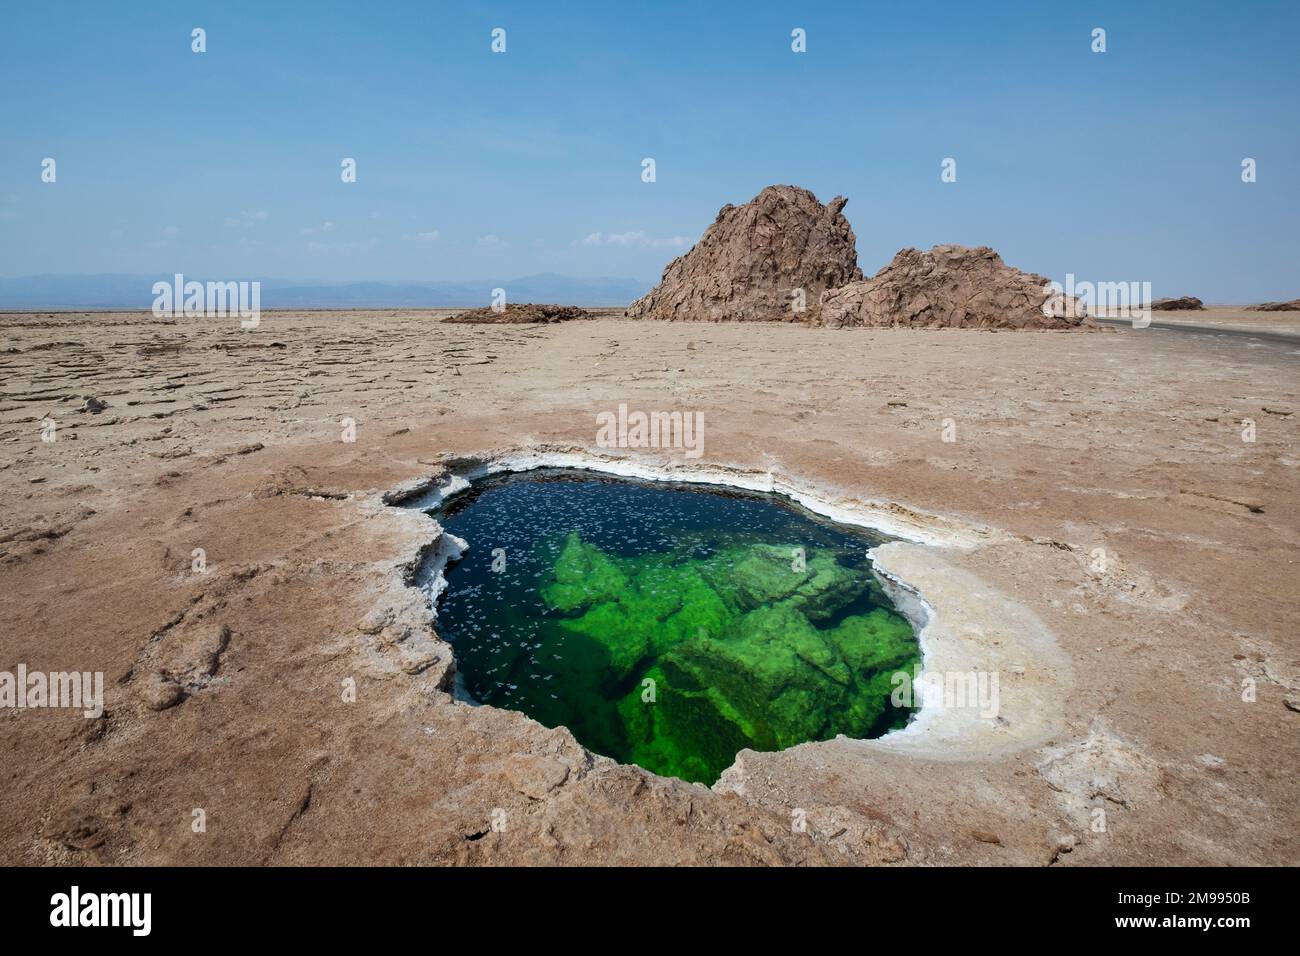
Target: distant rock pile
x=1292, y=306
x=1186, y=303
x=520, y=314
x=950, y=287
x=784, y=256
x=768, y=260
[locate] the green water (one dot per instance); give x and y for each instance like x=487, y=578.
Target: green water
x=670, y=626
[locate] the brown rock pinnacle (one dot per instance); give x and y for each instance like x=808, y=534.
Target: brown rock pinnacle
x=768, y=260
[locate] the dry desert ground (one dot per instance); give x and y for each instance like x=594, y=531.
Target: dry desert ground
x=1099, y=533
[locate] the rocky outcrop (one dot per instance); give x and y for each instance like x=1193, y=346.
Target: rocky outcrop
x=1292, y=306
x=785, y=257
x=950, y=287
x=520, y=314
x=1186, y=303
x=768, y=260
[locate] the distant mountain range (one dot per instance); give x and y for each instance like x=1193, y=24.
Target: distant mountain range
x=117, y=291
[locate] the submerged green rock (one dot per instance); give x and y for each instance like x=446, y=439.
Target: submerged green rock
x=746, y=647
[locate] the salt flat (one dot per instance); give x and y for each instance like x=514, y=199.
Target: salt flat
x=1127, y=546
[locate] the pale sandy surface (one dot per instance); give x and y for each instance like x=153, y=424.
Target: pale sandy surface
x=1128, y=699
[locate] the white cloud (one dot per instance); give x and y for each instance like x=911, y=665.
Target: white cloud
x=348, y=246
x=493, y=241
x=245, y=218
x=323, y=227
x=430, y=236
x=633, y=240
x=169, y=231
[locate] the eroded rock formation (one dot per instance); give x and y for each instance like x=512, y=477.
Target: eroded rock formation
x=1186, y=303
x=950, y=287
x=768, y=260
x=785, y=257
x=1291, y=306
x=520, y=314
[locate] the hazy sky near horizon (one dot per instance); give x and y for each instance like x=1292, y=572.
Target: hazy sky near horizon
x=1115, y=166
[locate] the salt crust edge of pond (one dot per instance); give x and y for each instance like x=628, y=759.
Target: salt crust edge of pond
x=946, y=645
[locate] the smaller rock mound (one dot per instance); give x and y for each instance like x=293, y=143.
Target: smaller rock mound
x=951, y=287
x=1292, y=306
x=1186, y=303
x=521, y=313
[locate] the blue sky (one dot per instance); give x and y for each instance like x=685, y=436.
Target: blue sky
x=1121, y=166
